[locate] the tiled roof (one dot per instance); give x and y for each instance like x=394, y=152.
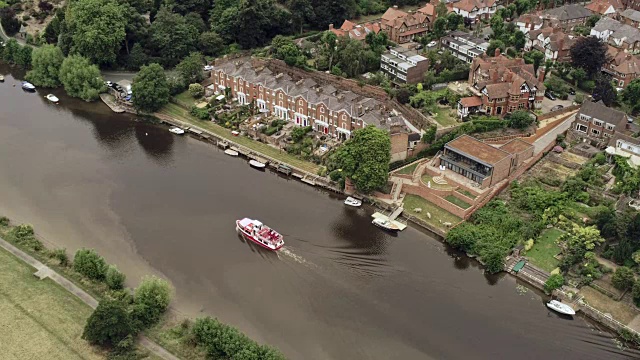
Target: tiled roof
x=607, y=23
x=471, y=101
x=630, y=65
x=428, y=9
x=631, y=14
x=601, y=6
x=600, y=111
x=567, y=12
x=476, y=149
x=468, y=5
x=499, y=90
x=516, y=146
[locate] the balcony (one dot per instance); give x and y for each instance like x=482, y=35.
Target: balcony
x=477, y=169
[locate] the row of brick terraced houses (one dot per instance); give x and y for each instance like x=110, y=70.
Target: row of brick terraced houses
x=305, y=102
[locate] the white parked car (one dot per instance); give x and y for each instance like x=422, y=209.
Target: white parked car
x=208, y=68
x=432, y=44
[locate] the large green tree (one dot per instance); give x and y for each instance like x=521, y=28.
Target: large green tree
x=150, y=88
x=623, y=278
x=80, y=78
x=364, y=159
x=108, y=324
x=604, y=90
x=631, y=95
x=172, y=38
x=45, y=66
x=301, y=12
x=97, y=28
x=210, y=43
x=190, y=68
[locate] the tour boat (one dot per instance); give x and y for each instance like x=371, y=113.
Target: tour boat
x=28, y=86
x=560, y=307
x=260, y=234
x=385, y=224
x=231, y=152
x=257, y=164
x=352, y=202
x=52, y=98
x=176, y=130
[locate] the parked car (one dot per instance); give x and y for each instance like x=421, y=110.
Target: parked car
x=432, y=44
x=572, y=91
x=549, y=95
x=108, y=84
x=557, y=107
x=208, y=68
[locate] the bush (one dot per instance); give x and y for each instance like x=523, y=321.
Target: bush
x=88, y=263
x=22, y=232
x=553, y=282
x=600, y=159
x=108, y=324
x=200, y=113
x=151, y=300
x=623, y=278
x=196, y=90
x=636, y=293
x=4, y=221
x=579, y=98
x=114, y=278
x=60, y=255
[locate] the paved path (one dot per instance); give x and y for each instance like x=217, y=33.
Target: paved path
x=541, y=143
x=44, y=271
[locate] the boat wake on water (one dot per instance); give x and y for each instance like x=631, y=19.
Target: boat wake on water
x=286, y=252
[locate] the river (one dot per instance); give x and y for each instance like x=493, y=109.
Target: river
x=155, y=203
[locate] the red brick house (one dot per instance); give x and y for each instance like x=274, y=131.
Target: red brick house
x=505, y=85
x=403, y=27
x=624, y=68
x=598, y=123
x=356, y=31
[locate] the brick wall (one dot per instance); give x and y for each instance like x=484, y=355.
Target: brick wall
x=414, y=116
x=558, y=112
x=429, y=195
x=399, y=144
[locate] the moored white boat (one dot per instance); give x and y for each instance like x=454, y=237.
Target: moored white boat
x=257, y=164
x=260, y=234
x=352, y=202
x=1, y=78
x=385, y=224
x=52, y=98
x=235, y=133
x=28, y=86
x=560, y=307
x=176, y=130
x=231, y=152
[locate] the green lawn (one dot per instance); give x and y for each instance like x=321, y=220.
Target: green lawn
x=444, y=118
x=181, y=114
x=41, y=320
x=466, y=193
x=545, y=248
x=408, y=170
x=460, y=203
x=413, y=201
x=185, y=99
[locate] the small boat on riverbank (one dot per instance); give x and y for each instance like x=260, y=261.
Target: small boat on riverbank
x=385, y=224
x=28, y=86
x=235, y=133
x=257, y=164
x=260, y=234
x=52, y=98
x=176, y=130
x=560, y=307
x=352, y=202
x=1, y=78
x=231, y=152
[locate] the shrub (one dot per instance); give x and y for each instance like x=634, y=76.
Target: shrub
x=22, y=232
x=196, y=90
x=579, y=98
x=200, y=113
x=623, y=278
x=88, y=263
x=553, y=282
x=114, y=278
x=528, y=245
x=151, y=299
x=60, y=255
x=600, y=159
x=108, y=324
x=4, y=221
x=636, y=293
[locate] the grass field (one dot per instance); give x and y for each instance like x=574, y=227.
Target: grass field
x=181, y=114
x=408, y=170
x=466, y=193
x=412, y=201
x=444, y=118
x=458, y=202
x=40, y=320
x=619, y=310
x=543, y=252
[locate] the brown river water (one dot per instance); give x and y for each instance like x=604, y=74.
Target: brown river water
x=155, y=203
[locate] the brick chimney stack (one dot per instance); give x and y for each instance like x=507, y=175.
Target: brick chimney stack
x=541, y=74
x=497, y=52
x=330, y=26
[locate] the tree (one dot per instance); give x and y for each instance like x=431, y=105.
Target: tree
x=403, y=95
x=210, y=43
x=439, y=27
x=190, y=68
x=578, y=75
x=534, y=57
x=137, y=58
x=623, y=278
x=554, y=281
x=441, y=9
x=301, y=12
x=329, y=43
x=8, y=20
x=589, y=53
x=80, y=78
x=114, y=278
x=592, y=20
x=519, y=40
x=108, y=324
x=580, y=240
x=636, y=293
x=23, y=56
x=454, y=21
x=493, y=46
x=364, y=159
x=333, y=11
x=88, y=263
x=153, y=296
x=498, y=27
x=172, y=38
x=430, y=135
x=604, y=90
x=631, y=95
x=150, y=88
x=196, y=90
x=45, y=66
x=97, y=28
x=520, y=119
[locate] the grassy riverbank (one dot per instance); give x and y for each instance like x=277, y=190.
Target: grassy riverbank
x=41, y=319
x=179, y=113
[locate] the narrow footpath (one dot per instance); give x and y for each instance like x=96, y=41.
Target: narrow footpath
x=45, y=271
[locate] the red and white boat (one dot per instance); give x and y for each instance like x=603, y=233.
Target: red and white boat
x=260, y=234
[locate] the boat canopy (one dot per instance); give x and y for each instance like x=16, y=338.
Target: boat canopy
x=246, y=222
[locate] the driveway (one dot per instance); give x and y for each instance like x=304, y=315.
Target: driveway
x=548, y=104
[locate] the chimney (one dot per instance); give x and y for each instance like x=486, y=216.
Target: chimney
x=497, y=53
x=330, y=26
x=541, y=74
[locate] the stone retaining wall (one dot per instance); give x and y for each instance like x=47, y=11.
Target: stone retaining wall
x=431, y=196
